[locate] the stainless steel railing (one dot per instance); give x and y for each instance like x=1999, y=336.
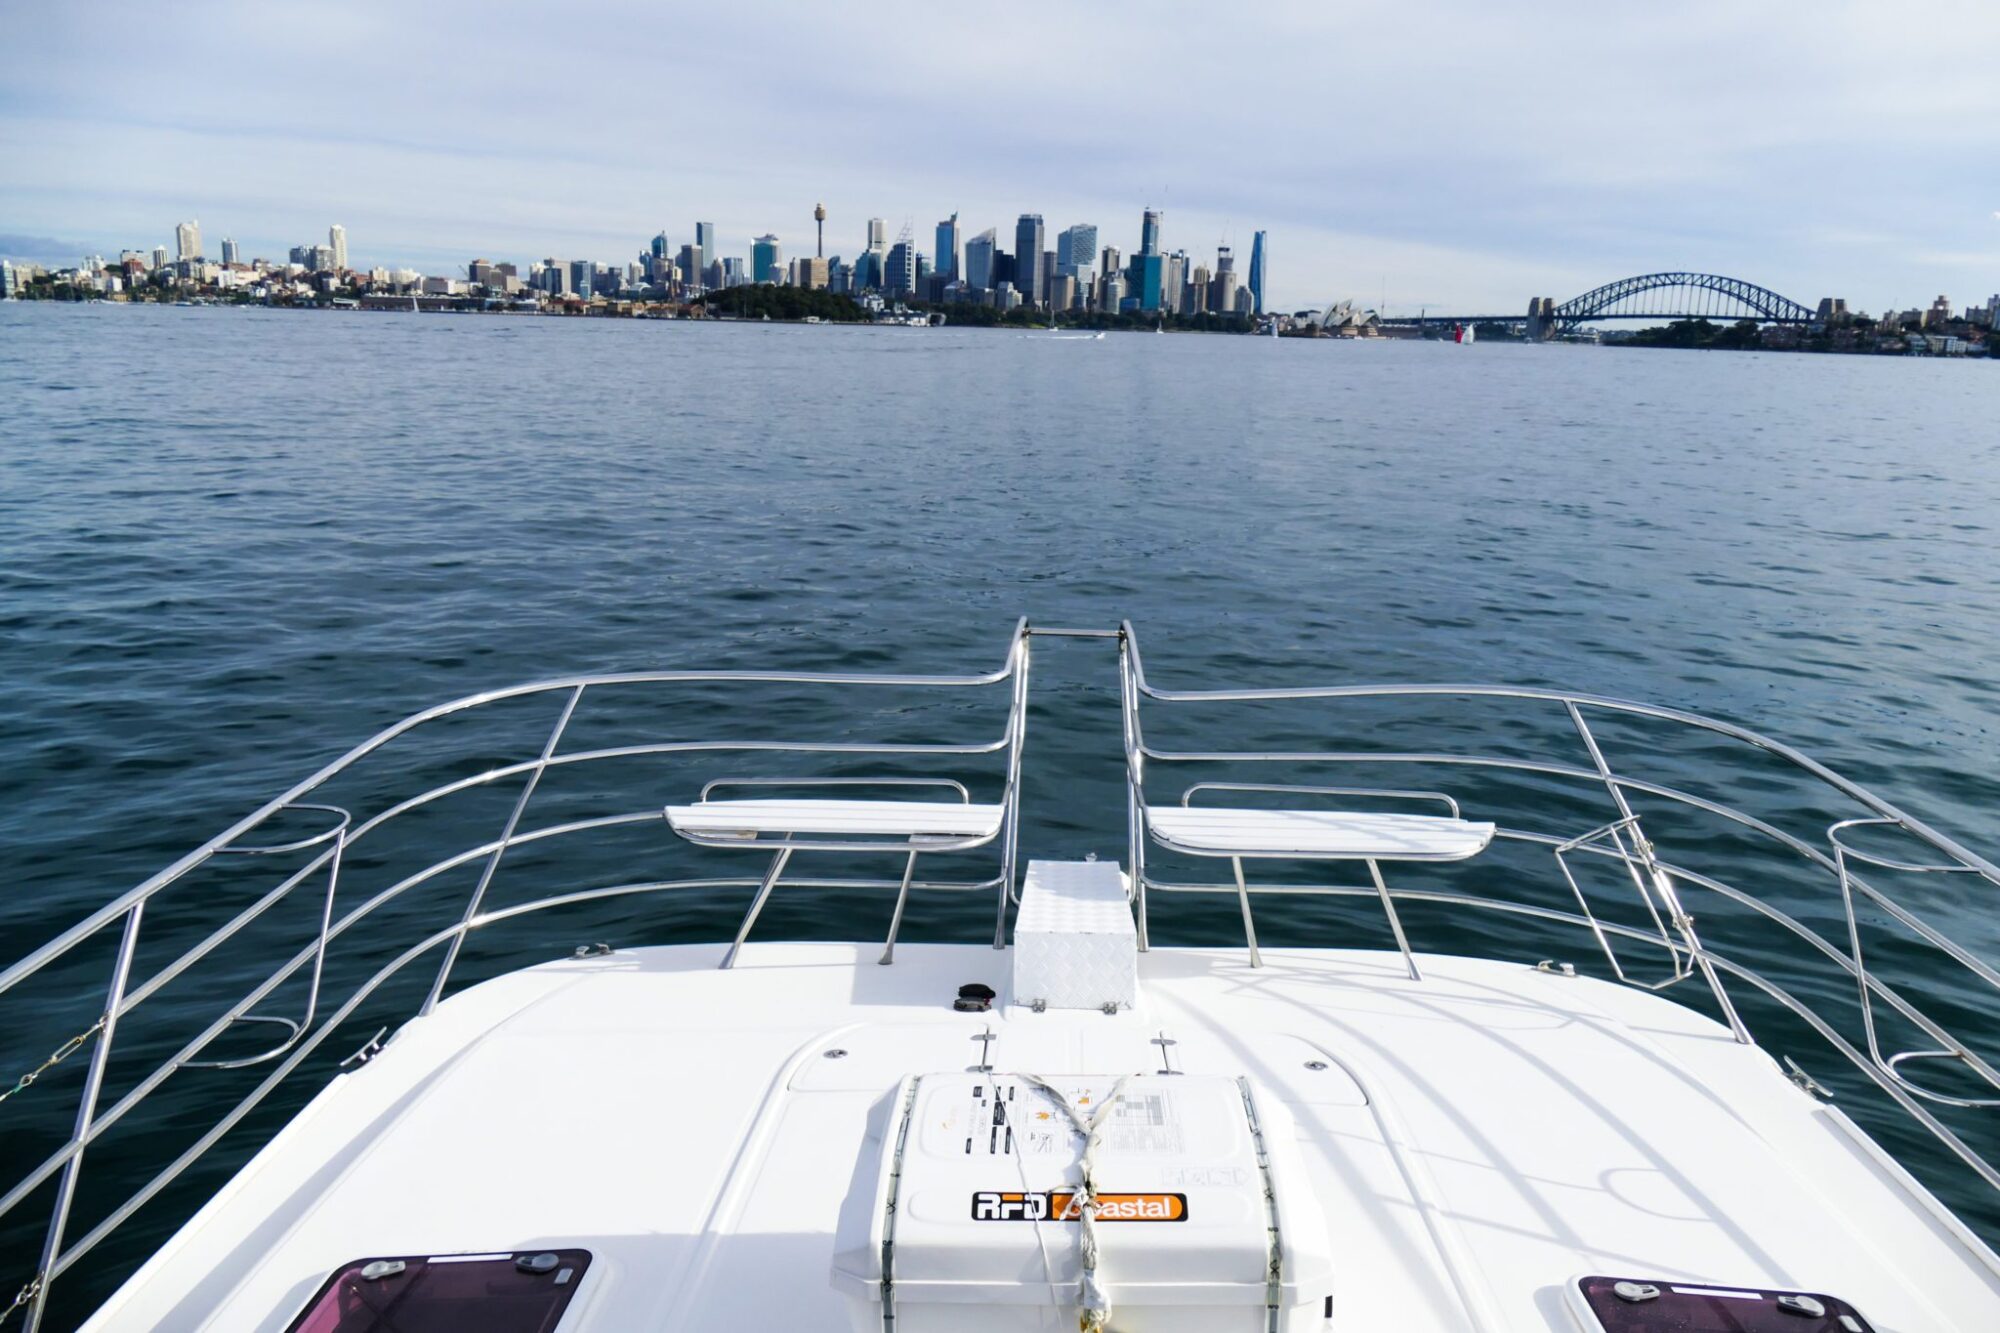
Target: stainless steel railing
x=1628, y=840
x=334, y=846
x=1624, y=832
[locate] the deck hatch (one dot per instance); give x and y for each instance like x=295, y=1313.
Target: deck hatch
x=1653, y=1305
x=524, y=1292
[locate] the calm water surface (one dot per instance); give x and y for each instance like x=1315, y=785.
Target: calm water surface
x=233, y=543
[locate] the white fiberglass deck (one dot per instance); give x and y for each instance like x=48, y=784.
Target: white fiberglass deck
x=1475, y=1140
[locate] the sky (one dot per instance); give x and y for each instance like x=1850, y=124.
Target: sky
x=1452, y=155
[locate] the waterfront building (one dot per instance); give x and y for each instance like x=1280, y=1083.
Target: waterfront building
x=979, y=259
x=899, y=276
x=1260, y=260
x=229, y=255
x=1006, y=298
x=947, y=265
x=1222, y=292
x=1062, y=291
x=1149, y=232
x=1076, y=249
x=1027, y=257
x=1173, y=280
x=707, y=252
x=767, y=259
x=1110, y=292
x=187, y=242
x=581, y=271
x=336, y=244
x=1195, y=299
x=10, y=279
x=813, y=274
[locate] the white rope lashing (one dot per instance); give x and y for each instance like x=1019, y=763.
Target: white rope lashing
x=1094, y=1307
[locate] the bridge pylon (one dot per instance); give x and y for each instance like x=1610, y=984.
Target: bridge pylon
x=1541, y=319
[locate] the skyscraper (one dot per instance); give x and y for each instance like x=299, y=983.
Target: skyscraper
x=1260, y=258
x=767, y=260
x=187, y=241
x=1028, y=258
x=1076, y=249
x=1148, y=279
x=228, y=251
x=1149, y=232
x=704, y=241
x=1222, y=288
x=336, y=241
x=900, y=276
x=581, y=271
x=878, y=234
x=979, y=260
x=659, y=249
x=947, y=266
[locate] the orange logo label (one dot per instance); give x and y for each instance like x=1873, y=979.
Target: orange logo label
x=1064, y=1206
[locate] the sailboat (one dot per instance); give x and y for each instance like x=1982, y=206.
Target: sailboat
x=1464, y=333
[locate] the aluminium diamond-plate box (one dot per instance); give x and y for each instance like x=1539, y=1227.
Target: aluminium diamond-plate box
x=1074, y=943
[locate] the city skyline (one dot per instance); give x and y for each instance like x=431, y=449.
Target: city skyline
x=1443, y=158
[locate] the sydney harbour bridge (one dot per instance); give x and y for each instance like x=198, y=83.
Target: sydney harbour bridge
x=1655, y=297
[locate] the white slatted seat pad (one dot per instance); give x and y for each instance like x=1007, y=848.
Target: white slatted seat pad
x=1333, y=834
x=881, y=819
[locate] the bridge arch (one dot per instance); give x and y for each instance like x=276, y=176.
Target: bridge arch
x=1679, y=296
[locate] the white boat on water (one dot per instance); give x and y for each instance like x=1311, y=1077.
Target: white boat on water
x=1073, y=1123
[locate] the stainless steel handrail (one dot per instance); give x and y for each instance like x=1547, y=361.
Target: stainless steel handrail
x=326, y=851
x=1622, y=841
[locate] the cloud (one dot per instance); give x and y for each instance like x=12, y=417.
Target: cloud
x=41, y=249
x=1455, y=151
